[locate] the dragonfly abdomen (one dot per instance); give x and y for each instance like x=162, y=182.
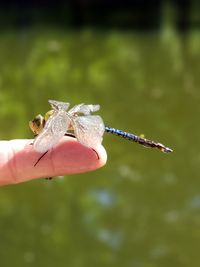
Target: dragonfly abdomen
x=121, y=133
x=140, y=140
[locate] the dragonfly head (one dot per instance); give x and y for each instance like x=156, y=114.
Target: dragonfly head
x=37, y=124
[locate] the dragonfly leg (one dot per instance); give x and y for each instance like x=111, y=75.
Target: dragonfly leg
x=71, y=135
x=40, y=158
x=96, y=153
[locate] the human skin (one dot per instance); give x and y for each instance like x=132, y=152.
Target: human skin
x=17, y=159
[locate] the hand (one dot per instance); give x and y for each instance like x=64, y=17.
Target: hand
x=17, y=159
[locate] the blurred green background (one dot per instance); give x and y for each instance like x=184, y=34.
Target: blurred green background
x=143, y=208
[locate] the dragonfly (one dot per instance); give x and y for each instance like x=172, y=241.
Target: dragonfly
x=78, y=122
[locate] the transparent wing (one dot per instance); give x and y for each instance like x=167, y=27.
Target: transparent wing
x=89, y=130
x=58, y=105
x=84, y=109
x=54, y=129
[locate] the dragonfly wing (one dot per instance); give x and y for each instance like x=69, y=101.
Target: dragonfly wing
x=89, y=130
x=54, y=129
x=75, y=109
x=84, y=109
x=58, y=105
x=87, y=109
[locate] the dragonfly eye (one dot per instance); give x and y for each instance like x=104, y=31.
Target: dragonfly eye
x=37, y=124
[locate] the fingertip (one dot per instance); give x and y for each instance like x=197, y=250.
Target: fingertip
x=102, y=155
x=70, y=157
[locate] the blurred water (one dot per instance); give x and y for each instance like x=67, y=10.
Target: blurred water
x=143, y=208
